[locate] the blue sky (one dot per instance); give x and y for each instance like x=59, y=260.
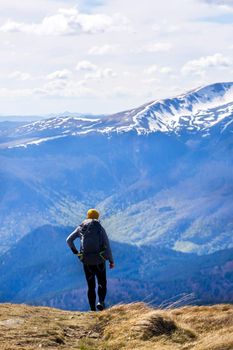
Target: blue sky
x=106, y=56
x=226, y=18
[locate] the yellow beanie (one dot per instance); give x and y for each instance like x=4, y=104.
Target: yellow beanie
x=93, y=214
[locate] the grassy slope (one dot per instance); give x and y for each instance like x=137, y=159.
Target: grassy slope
x=132, y=326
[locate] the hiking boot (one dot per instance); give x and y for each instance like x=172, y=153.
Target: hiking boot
x=92, y=307
x=100, y=306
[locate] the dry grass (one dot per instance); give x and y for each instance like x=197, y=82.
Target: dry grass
x=132, y=326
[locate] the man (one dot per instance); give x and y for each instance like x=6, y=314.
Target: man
x=94, y=251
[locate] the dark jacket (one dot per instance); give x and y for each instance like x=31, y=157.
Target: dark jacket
x=79, y=232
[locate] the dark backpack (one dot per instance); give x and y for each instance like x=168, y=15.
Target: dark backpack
x=92, y=245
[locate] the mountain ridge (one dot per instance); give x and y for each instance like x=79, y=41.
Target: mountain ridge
x=196, y=111
x=167, y=188
x=41, y=270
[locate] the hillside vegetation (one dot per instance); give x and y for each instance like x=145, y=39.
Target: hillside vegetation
x=132, y=326
x=160, y=174
x=41, y=270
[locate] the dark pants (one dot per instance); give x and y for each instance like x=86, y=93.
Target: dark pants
x=99, y=272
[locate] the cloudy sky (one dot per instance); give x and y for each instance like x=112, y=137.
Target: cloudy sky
x=104, y=56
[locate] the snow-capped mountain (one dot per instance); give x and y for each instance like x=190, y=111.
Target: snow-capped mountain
x=198, y=110
x=160, y=173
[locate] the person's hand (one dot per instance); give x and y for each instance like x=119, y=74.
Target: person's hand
x=80, y=256
x=111, y=265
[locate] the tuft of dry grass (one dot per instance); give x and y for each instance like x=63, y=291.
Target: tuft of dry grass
x=128, y=327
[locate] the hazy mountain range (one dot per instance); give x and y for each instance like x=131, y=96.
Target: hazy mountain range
x=161, y=174
x=41, y=270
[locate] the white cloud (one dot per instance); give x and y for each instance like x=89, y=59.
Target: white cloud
x=86, y=66
x=14, y=93
x=219, y=2
x=129, y=75
x=20, y=75
x=120, y=91
x=69, y=22
x=199, y=66
x=165, y=27
x=54, y=85
x=165, y=70
x=152, y=69
x=65, y=89
x=157, y=69
x=158, y=47
x=221, y=7
x=93, y=71
x=63, y=74
x=151, y=81
x=69, y=92
x=103, y=50
x=113, y=57
x=63, y=83
x=101, y=73
x=154, y=47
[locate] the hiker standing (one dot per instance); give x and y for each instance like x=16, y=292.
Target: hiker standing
x=94, y=251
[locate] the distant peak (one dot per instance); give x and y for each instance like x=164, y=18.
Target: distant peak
x=195, y=111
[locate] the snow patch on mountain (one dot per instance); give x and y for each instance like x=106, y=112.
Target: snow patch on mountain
x=195, y=111
x=56, y=123
x=35, y=141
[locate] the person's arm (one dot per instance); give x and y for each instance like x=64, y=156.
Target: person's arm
x=74, y=235
x=108, y=251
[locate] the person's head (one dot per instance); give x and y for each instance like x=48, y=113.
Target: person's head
x=93, y=214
